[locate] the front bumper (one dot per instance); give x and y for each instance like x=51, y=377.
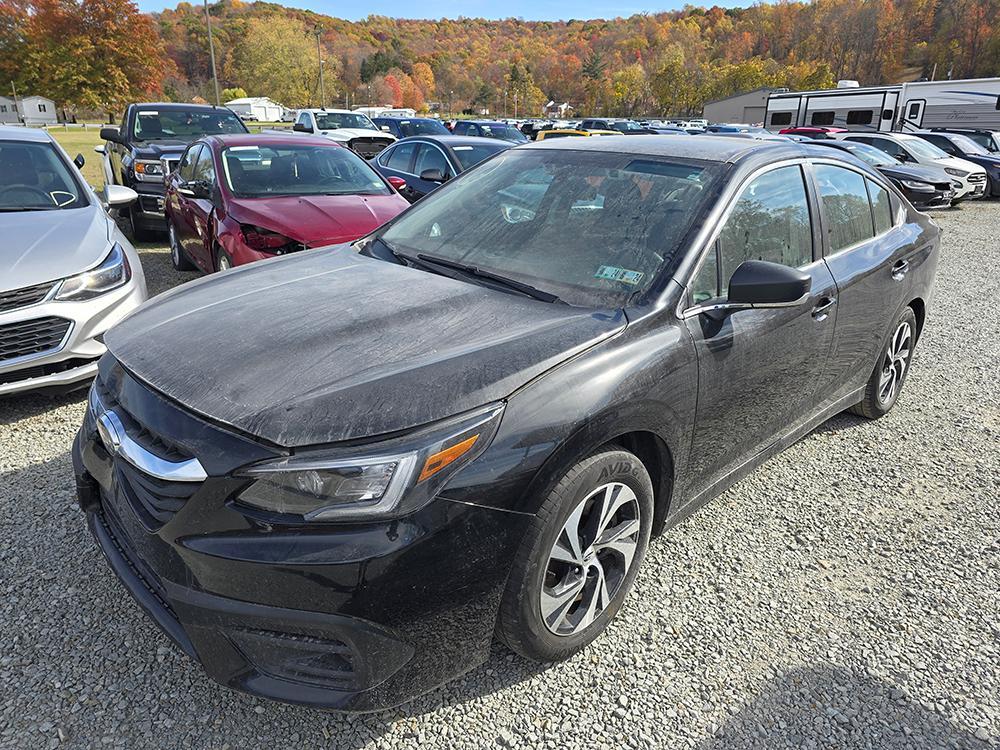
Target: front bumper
x=346, y=617
x=73, y=361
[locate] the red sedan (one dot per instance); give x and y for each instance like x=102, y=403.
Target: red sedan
x=234, y=199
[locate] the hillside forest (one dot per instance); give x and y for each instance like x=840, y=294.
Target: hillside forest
x=96, y=55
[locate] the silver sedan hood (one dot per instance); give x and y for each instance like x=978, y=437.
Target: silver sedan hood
x=39, y=246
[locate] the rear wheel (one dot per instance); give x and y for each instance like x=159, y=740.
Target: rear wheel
x=579, y=558
x=893, y=365
x=133, y=231
x=178, y=257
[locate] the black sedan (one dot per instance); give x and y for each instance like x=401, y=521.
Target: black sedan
x=416, y=166
x=963, y=147
x=923, y=186
x=472, y=421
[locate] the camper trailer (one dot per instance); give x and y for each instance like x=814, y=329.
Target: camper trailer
x=972, y=103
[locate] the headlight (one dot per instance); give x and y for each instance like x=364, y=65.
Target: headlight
x=391, y=479
x=920, y=187
x=148, y=167
x=955, y=172
x=113, y=272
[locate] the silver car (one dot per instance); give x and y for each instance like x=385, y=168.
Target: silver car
x=67, y=273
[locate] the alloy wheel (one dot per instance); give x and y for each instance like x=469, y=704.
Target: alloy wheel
x=175, y=250
x=590, y=559
x=894, y=363
x=224, y=264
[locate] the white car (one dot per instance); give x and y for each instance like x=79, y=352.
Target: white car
x=968, y=179
x=352, y=129
x=67, y=273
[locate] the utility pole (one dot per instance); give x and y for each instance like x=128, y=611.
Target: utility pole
x=211, y=52
x=450, y=93
x=319, y=59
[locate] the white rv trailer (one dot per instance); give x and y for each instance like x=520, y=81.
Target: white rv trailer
x=972, y=103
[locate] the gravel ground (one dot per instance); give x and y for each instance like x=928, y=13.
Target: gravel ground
x=846, y=595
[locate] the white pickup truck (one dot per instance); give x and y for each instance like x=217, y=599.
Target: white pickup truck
x=351, y=129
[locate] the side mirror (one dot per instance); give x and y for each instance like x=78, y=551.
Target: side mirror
x=433, y=175
x=119, y=195
x=301, y=128
x=112, y=134
x=761, y=283
x=195, y=189
x=398, y=183
x=99, y=149
x=79, y=161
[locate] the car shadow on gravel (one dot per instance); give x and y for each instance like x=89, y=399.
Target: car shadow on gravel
x=840, y=422
x=836, y=707
x=26, y=406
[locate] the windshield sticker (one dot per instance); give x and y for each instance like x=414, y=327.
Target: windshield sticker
x=461, y=148
x=151, y=112
x=614, y=273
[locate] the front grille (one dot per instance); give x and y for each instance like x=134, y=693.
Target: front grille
x=32, y=337
x=169, y=165
x=154, y=501
x=977, y=177
x=149, y=580
x=28, y=295
x=151, y=204
x=41, y=371
x=368, y=147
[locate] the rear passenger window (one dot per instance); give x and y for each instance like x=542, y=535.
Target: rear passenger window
x=401, y=157
x=770, y=221
x=881, y=207
x=822, y=118
x=846, y=210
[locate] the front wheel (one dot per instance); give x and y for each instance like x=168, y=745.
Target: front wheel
x=579, y=557
x=893, y=365
x=178, y=258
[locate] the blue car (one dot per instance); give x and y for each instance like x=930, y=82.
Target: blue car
x=404, y=127
x=416, y=166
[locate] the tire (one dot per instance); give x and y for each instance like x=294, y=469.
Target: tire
x=223, y=261
x=178, y=258
x=133, y=231
x=893, y=365
x=608, y=478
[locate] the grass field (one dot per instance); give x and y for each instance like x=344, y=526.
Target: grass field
x=80, y=141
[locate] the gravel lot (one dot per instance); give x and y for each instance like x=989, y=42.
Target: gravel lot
x=846, y=595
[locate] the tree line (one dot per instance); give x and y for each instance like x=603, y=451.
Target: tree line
x=99, y=54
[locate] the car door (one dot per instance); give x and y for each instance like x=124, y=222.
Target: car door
x=202, y=240
x=397, y=161
x=870, y=251
x=429, y=156
x=180, y=198
x=115, y=151
x=759, y=370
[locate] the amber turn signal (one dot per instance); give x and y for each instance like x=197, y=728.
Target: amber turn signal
x=437, y=461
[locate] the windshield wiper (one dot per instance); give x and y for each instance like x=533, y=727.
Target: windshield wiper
x=14, y=209
x=517, y=286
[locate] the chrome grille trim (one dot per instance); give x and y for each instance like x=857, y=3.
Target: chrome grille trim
x=15, y=299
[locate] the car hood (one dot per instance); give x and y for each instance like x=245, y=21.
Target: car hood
x=916, y=172
x=40, y=246
x=328, y=345
x=953, y=162
x=317, y=220
x=346, y=134
x=158, y=149
x=983, y=160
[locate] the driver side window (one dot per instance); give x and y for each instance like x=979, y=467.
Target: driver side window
x=185, y=170
x=770, y=221
x=204, y=168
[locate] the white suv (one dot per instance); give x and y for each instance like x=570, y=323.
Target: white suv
x=351, y=129
x=969, y=179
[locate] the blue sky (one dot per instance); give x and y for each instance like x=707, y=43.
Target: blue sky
x=531, y=10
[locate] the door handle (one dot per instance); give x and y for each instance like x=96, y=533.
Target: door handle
x=899, y=269
x=822, y=309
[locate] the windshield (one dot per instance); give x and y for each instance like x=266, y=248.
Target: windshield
x=469, y=156
x=506, y=132
x=967, y=145
x=34, y=177
x=335, y=120
x=874, y=156
x=263, y=171
x=421, y=127
x=185, y=125
x=989, y=141
x=923, y=149
x=625, y=126
x=592, y=228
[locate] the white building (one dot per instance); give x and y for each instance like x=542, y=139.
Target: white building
x=32, y=110
x=258, y=108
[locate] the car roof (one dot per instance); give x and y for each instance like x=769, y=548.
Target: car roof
x=703, y=147
x=263, y=139
x=18, y=133
x=454, y=140
x=404, y=117
x=180, y=105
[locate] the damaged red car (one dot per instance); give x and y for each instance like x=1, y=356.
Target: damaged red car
x=234, y=199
